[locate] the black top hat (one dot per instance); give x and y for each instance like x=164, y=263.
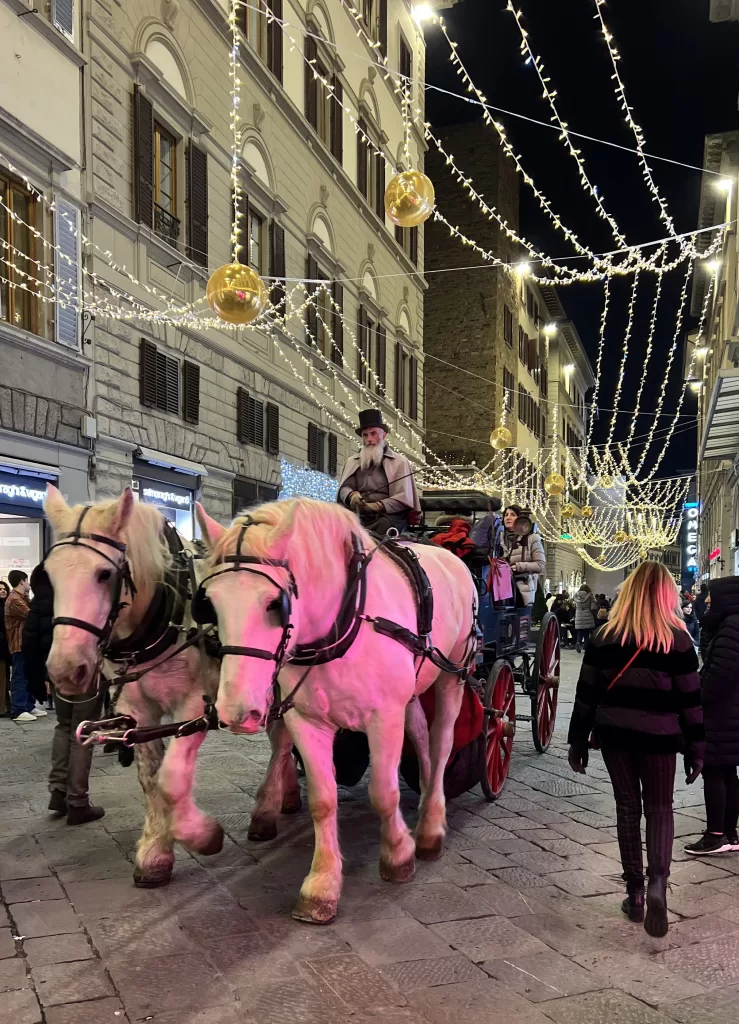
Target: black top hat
x=369, y=418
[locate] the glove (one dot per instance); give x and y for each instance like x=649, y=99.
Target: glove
x=692, y=769
x=374, y=506
x=578, y=759
x=355, y=498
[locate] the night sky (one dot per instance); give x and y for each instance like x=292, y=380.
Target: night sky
x=681, y=74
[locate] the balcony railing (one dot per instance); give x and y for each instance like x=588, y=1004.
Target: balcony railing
x=165, y=225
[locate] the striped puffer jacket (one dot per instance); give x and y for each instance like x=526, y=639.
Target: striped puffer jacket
x=654, y=708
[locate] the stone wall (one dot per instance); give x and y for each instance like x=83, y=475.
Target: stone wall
x=33, y=415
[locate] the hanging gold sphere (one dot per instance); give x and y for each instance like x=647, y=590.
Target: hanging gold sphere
x=236, y=293
x=555, y=484
x=606, y=481
x=409, y=199
x=567, y=511
x=620, y=537
x=601, y=559
x=587, y=512
x=501, y=438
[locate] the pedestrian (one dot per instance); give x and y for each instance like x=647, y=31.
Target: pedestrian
x=604, y=607
x=22, y=705
x=38, y=635
x=585, y=611
x=4, y=654
x=720, y=691
x=638, y=699
x=524, y=554
x=564, y=610
x=699, y=605
x=691, y=622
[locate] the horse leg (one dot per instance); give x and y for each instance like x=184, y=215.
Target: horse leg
x=397, y=850
x=431, y=826
x=193, y=828
x=321, y=888
x=154, y=853
x=279, y=791
x=418, y=729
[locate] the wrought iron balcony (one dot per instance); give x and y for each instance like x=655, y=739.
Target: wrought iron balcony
x=165, y=225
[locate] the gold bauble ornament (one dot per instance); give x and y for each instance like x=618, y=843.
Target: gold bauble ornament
x=586, y=512
x=501, y=438
x=620, y=537
x=555, y=484
x=236, y=293
x=409, y=199
x=606, y=481
x=567, y=511
x=601, y=559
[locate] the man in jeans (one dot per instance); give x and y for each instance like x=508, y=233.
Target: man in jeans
x=23, y=707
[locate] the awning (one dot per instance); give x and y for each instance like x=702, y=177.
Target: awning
x=29, y=468
x=721, y=429
x=170, y=462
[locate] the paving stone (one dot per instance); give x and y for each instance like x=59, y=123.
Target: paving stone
x=718, y=1007
x=485, y=858
x=540, y=863
x=521, y=878
x=697, y=900
x=300, y=1002
x=518, y=824
x=52, y=950
x=46, y=917
x=638, y=976
x=580, y=833
x=413, y=974
x=503, y=900
x=13, y=975
x=358, y=986
x=98, y=1011
x=25, y=890
x=606, y=1007
x=215, y=922
x=70, y=983
x=696, y=871
x=100, y=898
x=543, y=976
x=488, y=938
x=508, y=846
x=546, y=817
x=582, y=883
x=137, y=936
x=516, y=804
x=538, y=835
x=562, y=847
x=559, y=931
x=477, y=1002
x=563, y=787
x=593, y=818
x=443, y=902
x=713, y=964
x=20, y=1008
x=213, y=1015
x=610, y=850
x=485, y=833
x=463, y=874
x=7, y=944
x=387, y=942
x=21, y=857
x=588, y=861
x=168, y=983
x=696, y=929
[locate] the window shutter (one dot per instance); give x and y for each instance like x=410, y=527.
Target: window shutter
x=190, y=392
x=67, y=261
x=333, y=455
x=413, y=388
x=311, y=314
x=362, y=160
x=399, y=382
x=382, y=26
x=273, y=429
x=414, y=246
x=337, y=119
x=380, y=179
x=362, y=346
x=242, y=402
x=147, y=373
x=143, y=158
x=312, y=445
x=62, y=14
x=381, y=362
x=399, y=235
x=277, y=261
x=254, y=422
x=171, y=386
x=197, y=205
x=321, y=461
x=274, y=40
x=337, y=353
x=311, y=84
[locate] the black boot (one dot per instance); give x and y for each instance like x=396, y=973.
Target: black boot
x=81, y=815
x=655, y=923
x=633, y=905
x=57, y=802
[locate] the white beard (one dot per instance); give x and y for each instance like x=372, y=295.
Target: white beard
x=371, y=455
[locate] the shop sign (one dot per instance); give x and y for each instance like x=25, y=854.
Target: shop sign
x=715, y=554
x=155, y=496
x=22, y=490
x=691, y=514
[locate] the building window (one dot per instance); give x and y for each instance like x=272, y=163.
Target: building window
x=372, y=352
x=316, y=448
x=166, y=223
x=405, y=66
x=159, y=382
x=508, y=326
x=247, y=493
x=370, y=170
x=406, y=382
x=530, y=414
x=18, y=304
x=252, y=21
x=323, y=317
x=407, y=239
x=324, y=108
x=374, y=16
x=509, y=386
x=523, y=345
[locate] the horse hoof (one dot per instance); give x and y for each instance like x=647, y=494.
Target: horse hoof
x=213, y=845
x=315, y=911
x=431, y=849
x=292, y=804
x=155, y=880
x=262, y=830
x=398, y=873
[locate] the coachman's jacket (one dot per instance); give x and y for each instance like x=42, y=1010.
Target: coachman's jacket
x=654, y=708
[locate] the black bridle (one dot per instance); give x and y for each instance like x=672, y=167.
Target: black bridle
x=122, y=578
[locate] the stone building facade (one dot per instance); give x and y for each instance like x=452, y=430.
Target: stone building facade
x=141, y=152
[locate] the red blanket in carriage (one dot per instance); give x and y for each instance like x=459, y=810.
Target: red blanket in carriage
x=469, y=721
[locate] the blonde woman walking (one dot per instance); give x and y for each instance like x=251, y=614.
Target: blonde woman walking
x=639, y=699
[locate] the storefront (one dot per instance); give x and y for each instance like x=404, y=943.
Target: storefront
x=23, y=531
x=171, y=484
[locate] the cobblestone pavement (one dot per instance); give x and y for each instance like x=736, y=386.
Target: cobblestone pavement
x=519, y=919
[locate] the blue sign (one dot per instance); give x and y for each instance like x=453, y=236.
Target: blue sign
x=689, y=544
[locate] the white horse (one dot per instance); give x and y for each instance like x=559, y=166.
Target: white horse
x=88, y=578
x=298, y=553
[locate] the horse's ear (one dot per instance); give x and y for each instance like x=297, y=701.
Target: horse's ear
x=54, y=504
x=212, y=531
x=122, y=511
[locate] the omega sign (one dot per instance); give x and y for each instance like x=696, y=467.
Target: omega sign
x=691, y=514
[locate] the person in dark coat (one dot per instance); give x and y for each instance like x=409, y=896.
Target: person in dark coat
x=720, y=690
x=691, y=622
x=699, y=605
x=38, y=634
x=4, y=654
x=639, y=699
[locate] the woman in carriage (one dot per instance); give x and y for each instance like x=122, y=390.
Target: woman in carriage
x=514, y=539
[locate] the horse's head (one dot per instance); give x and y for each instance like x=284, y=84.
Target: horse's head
x=88, y=577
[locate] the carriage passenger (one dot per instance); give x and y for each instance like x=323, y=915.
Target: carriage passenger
x=524, y=554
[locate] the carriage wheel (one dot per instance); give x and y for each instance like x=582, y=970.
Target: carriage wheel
x=545, y=689
x=498, y=730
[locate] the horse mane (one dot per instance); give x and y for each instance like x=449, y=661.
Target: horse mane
x=313, y=536
x=146, y=549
